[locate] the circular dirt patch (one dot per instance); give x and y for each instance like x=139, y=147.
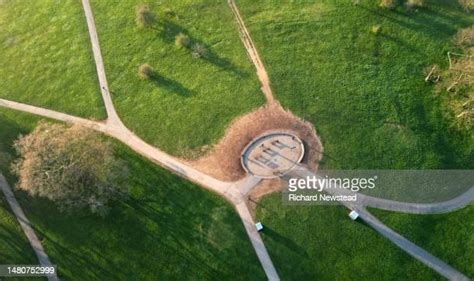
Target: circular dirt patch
x=223, y=161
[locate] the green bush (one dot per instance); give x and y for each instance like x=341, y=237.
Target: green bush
x=182, y=40
x=144, y=17
x=145, y=71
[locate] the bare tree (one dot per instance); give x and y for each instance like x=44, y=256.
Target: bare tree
x=71, y=166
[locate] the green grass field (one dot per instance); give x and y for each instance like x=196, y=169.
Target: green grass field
x=169, y=228
x=322, y=243
x=447, y=236
x=46, y=57
x=192, y=100
x=364, y=92
x=366, y=95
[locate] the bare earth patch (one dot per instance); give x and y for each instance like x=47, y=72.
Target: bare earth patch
x=223, y=161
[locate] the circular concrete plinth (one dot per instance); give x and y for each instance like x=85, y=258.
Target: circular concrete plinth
x=272, y=154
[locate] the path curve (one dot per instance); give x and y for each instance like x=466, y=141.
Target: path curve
x=234, y=192
x=229, y=190
x=453, y=204
x=417, y=252
x=363, y=201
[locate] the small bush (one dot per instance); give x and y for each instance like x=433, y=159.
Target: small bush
x=411, y=4
x=389, y=4
x=146, y=71
x=144, y=17
x=375, y=29
x=199, y=51
x=182, y=40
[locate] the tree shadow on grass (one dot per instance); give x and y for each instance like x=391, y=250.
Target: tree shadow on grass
x=170, y=85
x=424, y=21
x=175, y=236
x=399, y=42
x=287, y=242
x=168, y=30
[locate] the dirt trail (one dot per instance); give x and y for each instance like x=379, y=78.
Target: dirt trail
x=252, y=53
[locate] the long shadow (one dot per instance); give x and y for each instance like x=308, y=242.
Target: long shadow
x=287, y=242
x=170, y=85
x=400, y=42
x=168, y=30
x=180, y=232
x=422, y=21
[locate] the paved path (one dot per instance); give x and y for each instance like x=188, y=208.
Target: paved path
x=100, y=126
x=257, y=242
x=234, y=192
x=456, y=203
x=403, y=243
x=252, y=52
x=26, y=226
x=363, y=201
x=412, y=249
x=112, y=115
x=229, y=190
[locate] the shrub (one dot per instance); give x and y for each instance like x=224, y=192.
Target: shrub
x=375, y=29
x=389, y=4
x=144, y=17
x=71, y=166
x=414, y=3
x=146, y=71
x=182, y=41
x=199, y=51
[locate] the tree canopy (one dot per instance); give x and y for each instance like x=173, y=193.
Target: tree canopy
x=72, y=166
